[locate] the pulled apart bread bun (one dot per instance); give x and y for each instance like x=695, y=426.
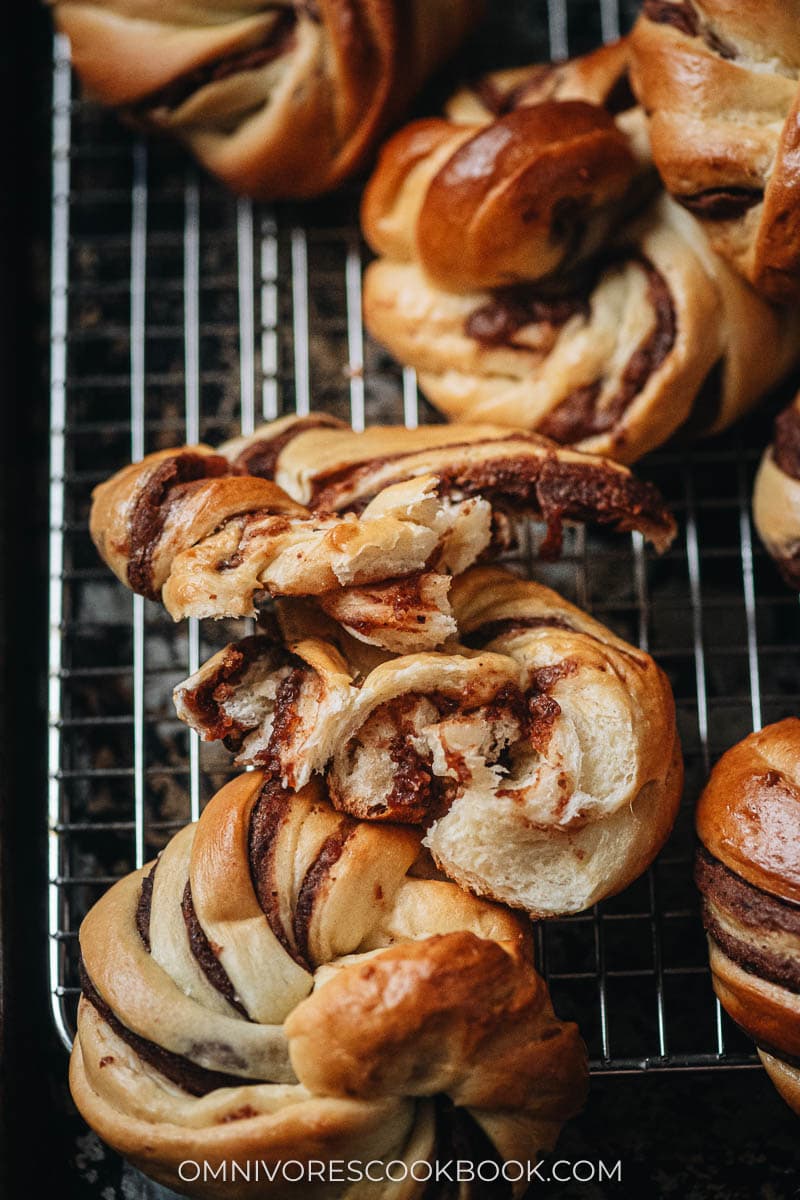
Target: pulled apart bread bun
x=540, y=754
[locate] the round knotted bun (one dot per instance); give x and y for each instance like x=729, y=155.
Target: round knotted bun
x=517, y=182
x=284, y=983
x=748, y=871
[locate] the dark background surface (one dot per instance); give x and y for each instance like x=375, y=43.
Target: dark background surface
x=693, y=1135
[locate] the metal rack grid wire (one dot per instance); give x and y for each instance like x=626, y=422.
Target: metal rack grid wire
x=181, y=314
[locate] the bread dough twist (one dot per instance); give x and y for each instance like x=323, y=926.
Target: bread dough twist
x=720, y=83
x=533, y=274
x=285, y=983
x=541, y=757
x=393, y=515
x=776, y=495
x=278, y=99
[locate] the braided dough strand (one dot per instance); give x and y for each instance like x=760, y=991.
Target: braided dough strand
x=720, y=83
x=280, y=99
x=284, y=983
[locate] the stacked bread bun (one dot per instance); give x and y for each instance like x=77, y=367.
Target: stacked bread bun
x=533, y=275
x=326, y=965
x=748, y=871
x=286, y=984
x=539, y=756
x=279, y=99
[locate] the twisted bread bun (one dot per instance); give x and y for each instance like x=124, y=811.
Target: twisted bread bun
x=185, y=526
x=721, y=85
x=491, y=198
x=657, y=336
x=395, y=513
x=282, y=985
x=333, y=469
x=776, y=495
x=542, y=757
x=748, y=871
x=280, y=99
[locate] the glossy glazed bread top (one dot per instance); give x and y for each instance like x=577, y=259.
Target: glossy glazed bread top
x=524, y=176
x=748, y=871
x=749, y=814
x=285, y=982
x=277, y=99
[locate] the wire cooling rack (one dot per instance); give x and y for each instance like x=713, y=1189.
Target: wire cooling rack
x=181, y=314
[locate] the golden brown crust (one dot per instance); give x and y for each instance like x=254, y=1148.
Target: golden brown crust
x=661, y=335
x=786, y=1078
x=411, y=1021
x=530, y=173
x=488, y=206
x=748, y=816
x=770, y=1014
x=720, y=83
x=286, y=101
x=272, y=907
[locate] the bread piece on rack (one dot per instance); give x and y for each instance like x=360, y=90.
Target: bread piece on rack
x=530, y=173
x=776, y=495
x=657, y=336
x=394, y=516
x=334, y=469
x=720, y=83
x=184, y=525
x=748, y=871
x=285, y=983
x=542, y=758
x=281, y=99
